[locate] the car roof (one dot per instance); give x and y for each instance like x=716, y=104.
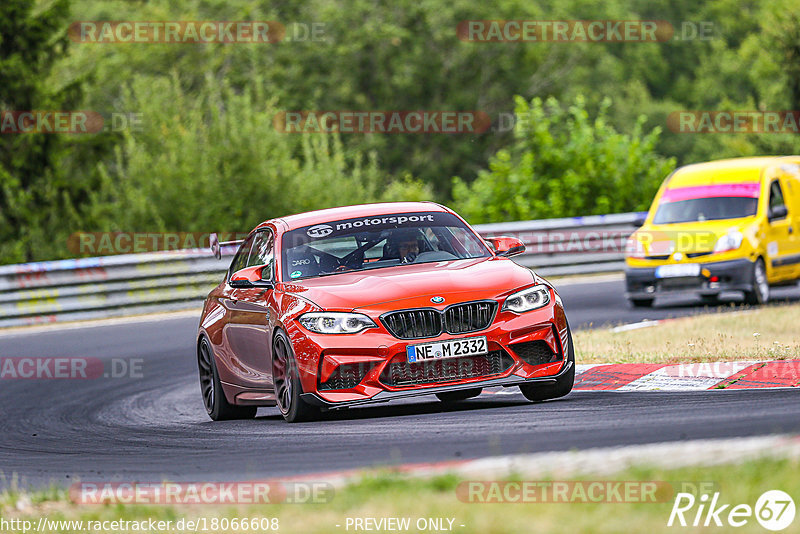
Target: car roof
x=726, y=171
x=349, y=212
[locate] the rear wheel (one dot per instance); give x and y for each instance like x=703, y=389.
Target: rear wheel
x=456, y=396
x=563, y=385
x=217, y=406
x=286, y=378
x=760, y=292
x=641, y=303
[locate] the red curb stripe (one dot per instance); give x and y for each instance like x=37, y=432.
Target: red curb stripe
x=609, y=377
x=726, y=383
x=776, y=374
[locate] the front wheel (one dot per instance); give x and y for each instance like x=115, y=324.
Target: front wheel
x=286, y=377
x=641, y=303
x=760, y=292
x=217, y=406
x=563, y=385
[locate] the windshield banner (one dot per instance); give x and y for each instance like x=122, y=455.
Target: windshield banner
x=743, y=189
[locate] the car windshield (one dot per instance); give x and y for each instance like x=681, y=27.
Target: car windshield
x=375, y=242
x=705, y=209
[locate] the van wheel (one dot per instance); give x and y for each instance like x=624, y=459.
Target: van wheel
x=641, y=303
x=760, y=292
x=709, y=300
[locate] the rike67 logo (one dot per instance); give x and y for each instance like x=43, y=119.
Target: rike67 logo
x=774, y=510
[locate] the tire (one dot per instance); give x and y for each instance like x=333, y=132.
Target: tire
x=641, y=303
x=760, y=293
x=286, y=377
x=456, y=396
x=709, y=300
x=217, y=406
x=538, y=392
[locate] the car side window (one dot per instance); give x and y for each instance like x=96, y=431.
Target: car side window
x=263, y=253
x=240, y=260
x=775, y=195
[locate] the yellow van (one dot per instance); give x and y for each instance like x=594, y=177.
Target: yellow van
x=729, y=225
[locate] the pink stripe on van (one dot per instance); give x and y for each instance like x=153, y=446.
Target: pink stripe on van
x=744, y=189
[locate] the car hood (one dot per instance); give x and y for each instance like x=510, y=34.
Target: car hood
x=414, y=285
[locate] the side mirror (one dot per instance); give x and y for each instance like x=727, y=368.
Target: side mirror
x=216, y=246
x=506, y=246
x=778, y=212
x=638, y=222
x=250, y=277
x=213, y=241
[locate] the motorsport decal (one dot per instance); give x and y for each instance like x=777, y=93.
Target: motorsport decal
x=332, y=229
x=324, y=230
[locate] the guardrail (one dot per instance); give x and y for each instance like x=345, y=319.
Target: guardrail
x=90, y=288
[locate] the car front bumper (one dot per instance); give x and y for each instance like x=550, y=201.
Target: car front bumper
x=386, y=396
x=523, y=348
x=731, y=275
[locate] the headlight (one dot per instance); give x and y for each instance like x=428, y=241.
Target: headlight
x=528, y=299
x=336, y=322
x=634, y=248
x=730, y=241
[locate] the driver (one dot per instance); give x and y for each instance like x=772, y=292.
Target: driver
x=404, y=244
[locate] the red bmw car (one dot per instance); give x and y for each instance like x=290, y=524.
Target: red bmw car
x=365, y=304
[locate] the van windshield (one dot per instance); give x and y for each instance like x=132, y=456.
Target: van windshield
x=705, y=209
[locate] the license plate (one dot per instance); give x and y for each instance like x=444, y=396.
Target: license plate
x=454, y=348
x=675, y=271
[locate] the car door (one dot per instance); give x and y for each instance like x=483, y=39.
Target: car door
x=791, y=191
x=780, y=233
x=250, y=312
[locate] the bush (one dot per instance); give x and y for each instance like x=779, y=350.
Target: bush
x=563, y=164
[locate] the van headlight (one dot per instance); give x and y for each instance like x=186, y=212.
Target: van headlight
x=336, y=322
x=730, y=241
x=529, y=299
x=634, y=248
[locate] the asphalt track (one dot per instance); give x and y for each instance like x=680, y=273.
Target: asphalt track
x=154, y=427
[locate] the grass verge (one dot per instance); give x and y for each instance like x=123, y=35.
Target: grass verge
x=385, y=495
x=766, y=333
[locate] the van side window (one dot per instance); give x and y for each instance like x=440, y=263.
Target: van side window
x=775, y=195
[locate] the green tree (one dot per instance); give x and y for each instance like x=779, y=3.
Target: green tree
x=561, y=164
x=212, y=160
x=35, y=196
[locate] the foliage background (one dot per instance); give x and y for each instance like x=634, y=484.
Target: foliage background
x=207, y=156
